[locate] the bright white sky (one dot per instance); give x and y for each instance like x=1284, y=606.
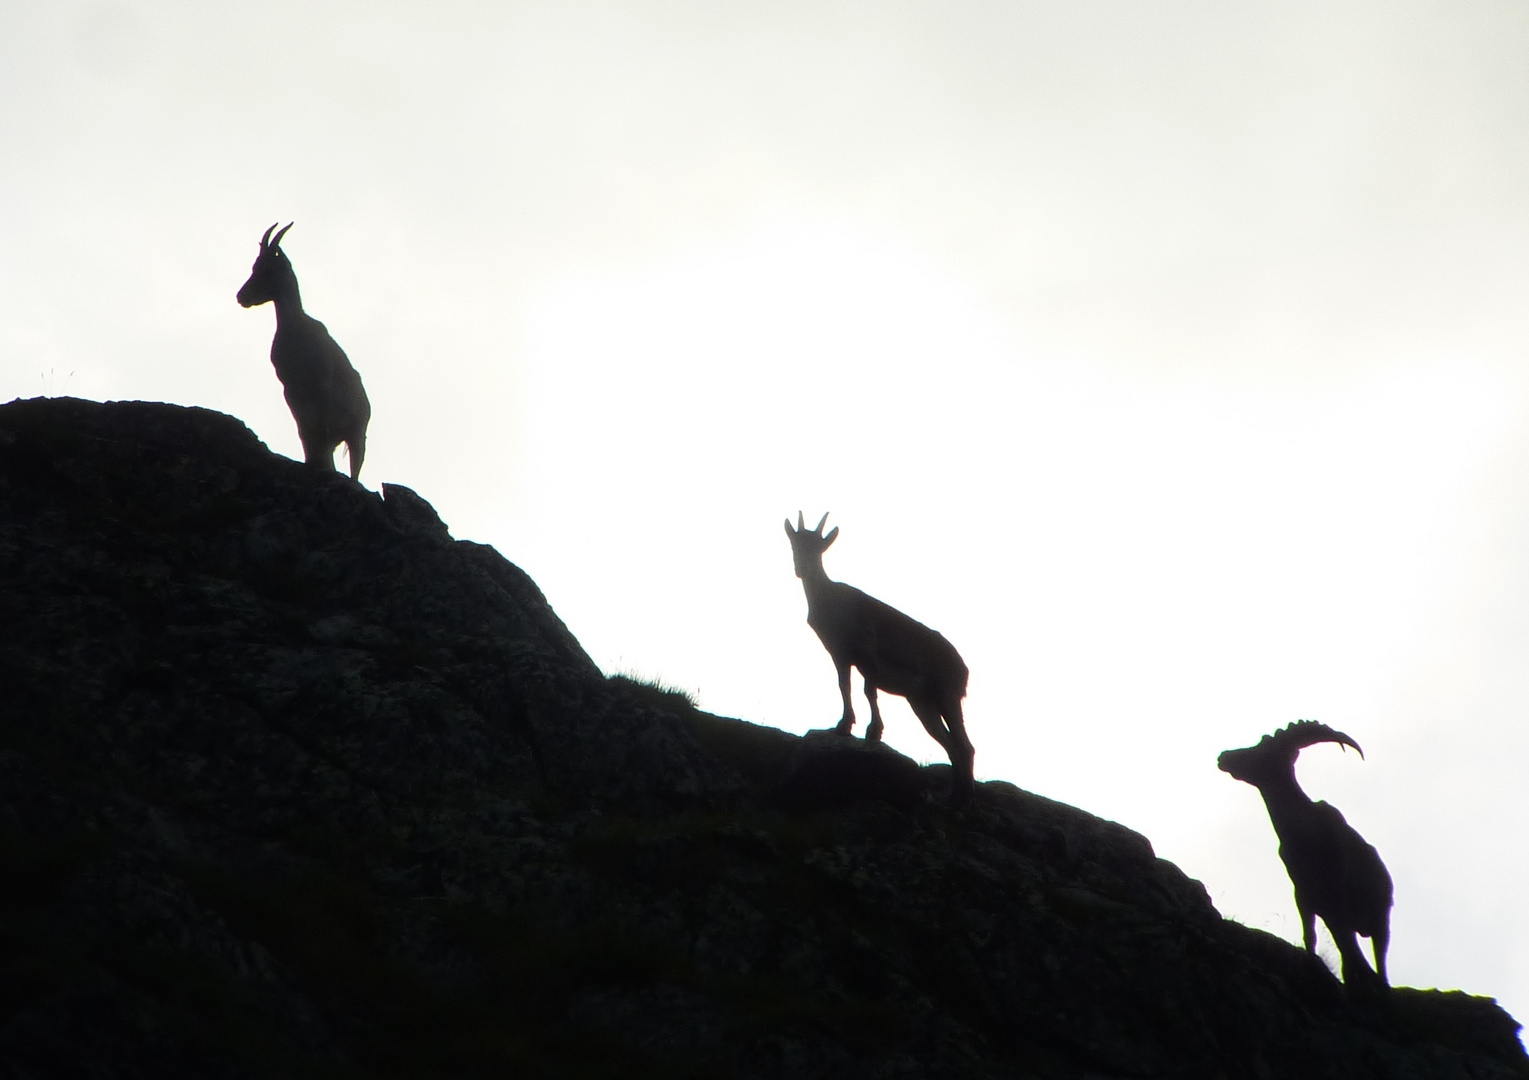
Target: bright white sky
x=1169, y=358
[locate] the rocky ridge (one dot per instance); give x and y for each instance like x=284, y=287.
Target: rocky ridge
x=294, y=784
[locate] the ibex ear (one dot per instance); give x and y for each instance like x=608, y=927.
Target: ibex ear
x=833, y=532
x=789, y=530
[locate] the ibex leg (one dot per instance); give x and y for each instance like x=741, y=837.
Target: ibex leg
x=1308, y=926
x=928, y=714
x=316, y=454
x=355, y=446
x=956, y=747
x=957, y=723
x=873, y=733
x=1379, y=943
x=962, y=754
x=1355, y=969
x=847, y=721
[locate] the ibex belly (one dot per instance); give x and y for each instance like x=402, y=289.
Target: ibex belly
x=322, y=389
x=914, y=661
x=902, y=681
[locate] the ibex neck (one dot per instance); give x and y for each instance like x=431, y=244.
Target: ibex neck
x=814, y=582
x=1285, y=800
x=289, y=302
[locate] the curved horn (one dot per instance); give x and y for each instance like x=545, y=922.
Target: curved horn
x=265, y=241
x=277, y=242
x=1307, y=732
x=819, y=529
x=1343, y=740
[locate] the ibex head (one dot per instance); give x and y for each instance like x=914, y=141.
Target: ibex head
x=808, y=545
x=1274, y=755
x=272, y=274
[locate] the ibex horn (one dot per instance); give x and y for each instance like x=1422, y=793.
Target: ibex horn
x=277, y=242
x=819, y=529
x=1304, y=733
x=265, y=241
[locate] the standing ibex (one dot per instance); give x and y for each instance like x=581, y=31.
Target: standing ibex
x=322, y=389
x=893, y=652
x=1336, y=874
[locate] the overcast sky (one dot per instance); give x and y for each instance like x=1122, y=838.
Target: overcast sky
x=1169, y=358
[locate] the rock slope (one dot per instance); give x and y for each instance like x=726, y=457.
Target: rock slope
x=292, y=784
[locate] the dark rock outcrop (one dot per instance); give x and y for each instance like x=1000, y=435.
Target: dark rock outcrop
x=293, y=784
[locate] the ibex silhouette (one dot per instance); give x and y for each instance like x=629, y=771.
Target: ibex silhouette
x=893, y=652
x=322, y=389
x=1336, y=874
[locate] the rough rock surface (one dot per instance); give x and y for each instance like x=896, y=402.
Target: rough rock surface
x=292, y=784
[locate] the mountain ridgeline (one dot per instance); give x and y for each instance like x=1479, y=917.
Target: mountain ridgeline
x=293, y=784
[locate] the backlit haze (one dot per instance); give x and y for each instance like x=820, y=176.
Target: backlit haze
x=1169, y=358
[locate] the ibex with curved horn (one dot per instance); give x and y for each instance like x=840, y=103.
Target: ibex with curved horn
x=893, y=652
x=1336, y=874
x=323, y=391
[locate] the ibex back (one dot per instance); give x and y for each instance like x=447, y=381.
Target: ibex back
x=893, y=652
x=322, y=389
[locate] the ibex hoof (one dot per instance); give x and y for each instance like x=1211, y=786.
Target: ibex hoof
x=962, y=787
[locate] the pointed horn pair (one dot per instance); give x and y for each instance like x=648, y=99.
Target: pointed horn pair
x=801, y=526
x=267, y=242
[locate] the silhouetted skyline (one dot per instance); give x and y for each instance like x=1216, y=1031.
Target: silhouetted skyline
x=1169, y=359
